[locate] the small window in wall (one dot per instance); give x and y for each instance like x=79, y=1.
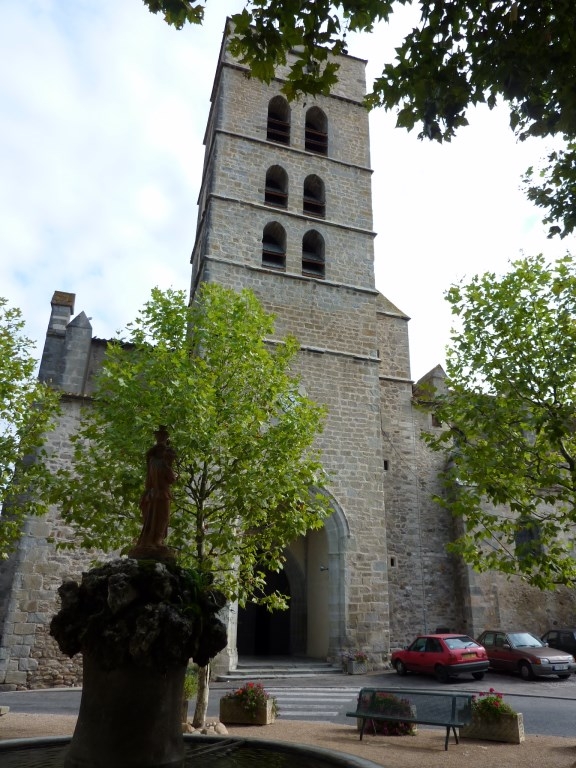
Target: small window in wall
x=276, y=192
x=313, y=254
x=314, y=202
x=527, y=539
x=274, y=246
x=278, y=127
x=316, y=131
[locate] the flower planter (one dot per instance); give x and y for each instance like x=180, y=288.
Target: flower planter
x=233, y=713
x=392, y=727
x=356, y=667
x=507, y=728
x=388, y=727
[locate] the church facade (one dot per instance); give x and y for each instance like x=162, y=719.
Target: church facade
x=285, y=209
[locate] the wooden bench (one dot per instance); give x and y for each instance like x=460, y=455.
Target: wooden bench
x=448, y=709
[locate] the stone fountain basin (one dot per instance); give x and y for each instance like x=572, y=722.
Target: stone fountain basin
x=204, y=751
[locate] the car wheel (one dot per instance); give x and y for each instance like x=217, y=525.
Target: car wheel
x=400, y=668
x=441, y=674
x=478, y=675
x=525, y=671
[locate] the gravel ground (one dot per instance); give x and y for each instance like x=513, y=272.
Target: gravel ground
x=425, y=750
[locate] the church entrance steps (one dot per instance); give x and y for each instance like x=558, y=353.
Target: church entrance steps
x=270, y=669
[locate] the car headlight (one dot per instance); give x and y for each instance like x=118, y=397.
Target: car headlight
x=543, y=661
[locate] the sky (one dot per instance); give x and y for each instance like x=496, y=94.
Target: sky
x=102, y=117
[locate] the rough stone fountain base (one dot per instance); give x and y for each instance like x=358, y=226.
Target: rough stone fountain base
x=136, y=623
x=123, y=707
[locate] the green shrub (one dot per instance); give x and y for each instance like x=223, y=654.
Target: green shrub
x=191, y=682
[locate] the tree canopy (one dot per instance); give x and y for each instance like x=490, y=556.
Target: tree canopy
x=248, y=477
x=458, y=55
x=509, y=417
x=27, y=410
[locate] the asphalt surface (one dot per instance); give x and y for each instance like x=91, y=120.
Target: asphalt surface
x=548, y=704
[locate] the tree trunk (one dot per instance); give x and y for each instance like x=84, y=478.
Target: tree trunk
x=202, y=696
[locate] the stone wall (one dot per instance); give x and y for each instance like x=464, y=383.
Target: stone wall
x=499, y=601
x=244, y=246
x=29, y=657
x=30, y=578
x=237, y=98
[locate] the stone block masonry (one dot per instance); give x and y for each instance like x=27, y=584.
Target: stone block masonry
x=29, y=657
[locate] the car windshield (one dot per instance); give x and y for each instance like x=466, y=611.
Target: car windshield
x=460, y=642
x=524, y=640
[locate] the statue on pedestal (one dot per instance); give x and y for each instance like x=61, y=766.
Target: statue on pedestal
x=155, y=501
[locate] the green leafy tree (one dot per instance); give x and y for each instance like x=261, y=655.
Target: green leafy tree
x=178, y=12
x=27, y=410
x=241, y=429
x=553, y=187
x=509, y=417
x=458, y=55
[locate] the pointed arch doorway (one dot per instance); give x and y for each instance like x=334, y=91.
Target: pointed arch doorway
x=313, y=579
x=262, y=632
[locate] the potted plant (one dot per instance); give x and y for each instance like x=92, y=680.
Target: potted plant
x=387, y=703
x=355, y=662
x=248, y=705
x=493, y=719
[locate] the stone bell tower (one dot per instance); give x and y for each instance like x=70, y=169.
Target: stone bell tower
x=285, y=209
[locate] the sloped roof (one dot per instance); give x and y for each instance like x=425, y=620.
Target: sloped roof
x=385, y=305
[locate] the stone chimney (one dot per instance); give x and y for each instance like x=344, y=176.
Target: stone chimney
x=67, y=347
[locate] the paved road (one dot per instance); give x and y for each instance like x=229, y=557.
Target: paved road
x=548, y=705
x=321, y=703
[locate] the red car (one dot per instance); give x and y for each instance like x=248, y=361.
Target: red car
x=524, y=653
x=446, y=656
